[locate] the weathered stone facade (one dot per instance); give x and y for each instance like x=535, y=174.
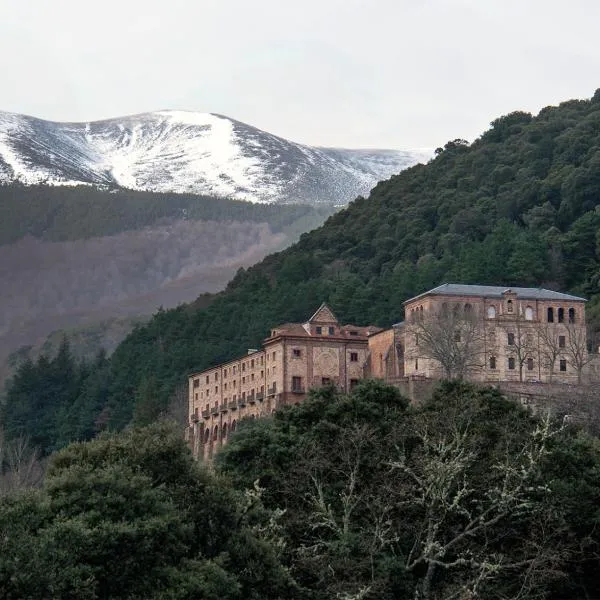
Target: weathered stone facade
x=293, y=359
x=525, y=337
x=523, y=334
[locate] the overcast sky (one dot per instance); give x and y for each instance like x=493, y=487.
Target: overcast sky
x=378, y=73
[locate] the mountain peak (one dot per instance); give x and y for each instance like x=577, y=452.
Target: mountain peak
x=187, y=151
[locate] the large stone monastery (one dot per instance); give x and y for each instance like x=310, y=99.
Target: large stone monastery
x=483, y=333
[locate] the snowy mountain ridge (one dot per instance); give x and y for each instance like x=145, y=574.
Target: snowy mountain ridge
x=179, y=151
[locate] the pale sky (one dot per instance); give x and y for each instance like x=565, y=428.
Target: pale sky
x=351, y=73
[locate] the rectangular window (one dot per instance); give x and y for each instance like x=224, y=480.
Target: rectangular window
x=319, y=330
x=331, y=331
x=353, y=356
x=354, y=332
x=563, y=364
x=511, y=363
x=225, y=386
x=492, y=363
x=296, y=384
x=325, y=381
x=207, y=393
x=296, y=353
x=243, y=366
x=243, y=380
x=561, y=341
x=224, y=372
x=274, y=355
x=273, y=370
x=353, y=383
x=511, y=339
x=561, y=315
x=234, y=383
x=252, y=364
x=262, y=374
x=216, y=389
x=530, y=364
x=252, y=377
x=207, y=379
x=196, y=383
x=550, y=315
x=261, y=360
x=216, y=376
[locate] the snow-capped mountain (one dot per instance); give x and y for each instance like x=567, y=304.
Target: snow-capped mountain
x=176, y=151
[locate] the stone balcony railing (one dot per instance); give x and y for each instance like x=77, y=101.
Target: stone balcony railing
x=260, y=396
x=232, y=404
x=206, y=413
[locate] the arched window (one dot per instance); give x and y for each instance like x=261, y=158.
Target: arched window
x=550, y=314
x=224, y=431
x=491, y=312
x=233, y=425
x=561, y=315
x=216, y=432
x=492, y=362
x=571, y=315
x=509, y=306
x=468, y=308
x=529, y=314
x=206, y=435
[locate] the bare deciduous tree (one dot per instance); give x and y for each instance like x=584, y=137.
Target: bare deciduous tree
x=452, y=336
x=21, y=465
x=456, y=533
x=521, y=342
x=550, y=347
x=576, y=348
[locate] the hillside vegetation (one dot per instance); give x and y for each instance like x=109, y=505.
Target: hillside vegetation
x=518, y=206
x=78, y=257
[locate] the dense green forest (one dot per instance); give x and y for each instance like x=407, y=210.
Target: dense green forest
x=71, y=213
x=518, y=206
x=345, y=497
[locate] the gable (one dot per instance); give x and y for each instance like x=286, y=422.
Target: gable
x=323, y=315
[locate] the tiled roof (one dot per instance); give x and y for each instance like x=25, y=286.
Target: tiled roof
x=496, y=291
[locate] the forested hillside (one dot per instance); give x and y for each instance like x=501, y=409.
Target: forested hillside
x=89, y=259
x=519, y=206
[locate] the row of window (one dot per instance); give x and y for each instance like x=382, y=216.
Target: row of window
x=297, y=353
x=251, y=364
x=511, y=363
x=297, y=383
x=319, y=330
x=529, y=314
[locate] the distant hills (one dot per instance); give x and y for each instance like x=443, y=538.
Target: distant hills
x=191, y=152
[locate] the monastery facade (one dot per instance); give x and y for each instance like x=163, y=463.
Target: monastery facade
x=512, y=334
x=295, y=358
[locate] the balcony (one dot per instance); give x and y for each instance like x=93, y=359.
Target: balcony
x=241, y=402
x=206, y=413
x=271, y=391
x=251, y=399
x=194, y=418
x=233, y=404
x=223, y=407
x=214, y=410
x=260, y=396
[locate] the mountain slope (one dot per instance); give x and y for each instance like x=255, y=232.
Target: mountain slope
x=518, y=207
x=202, y=153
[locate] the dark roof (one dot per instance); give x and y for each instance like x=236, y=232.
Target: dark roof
x=496, y=291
